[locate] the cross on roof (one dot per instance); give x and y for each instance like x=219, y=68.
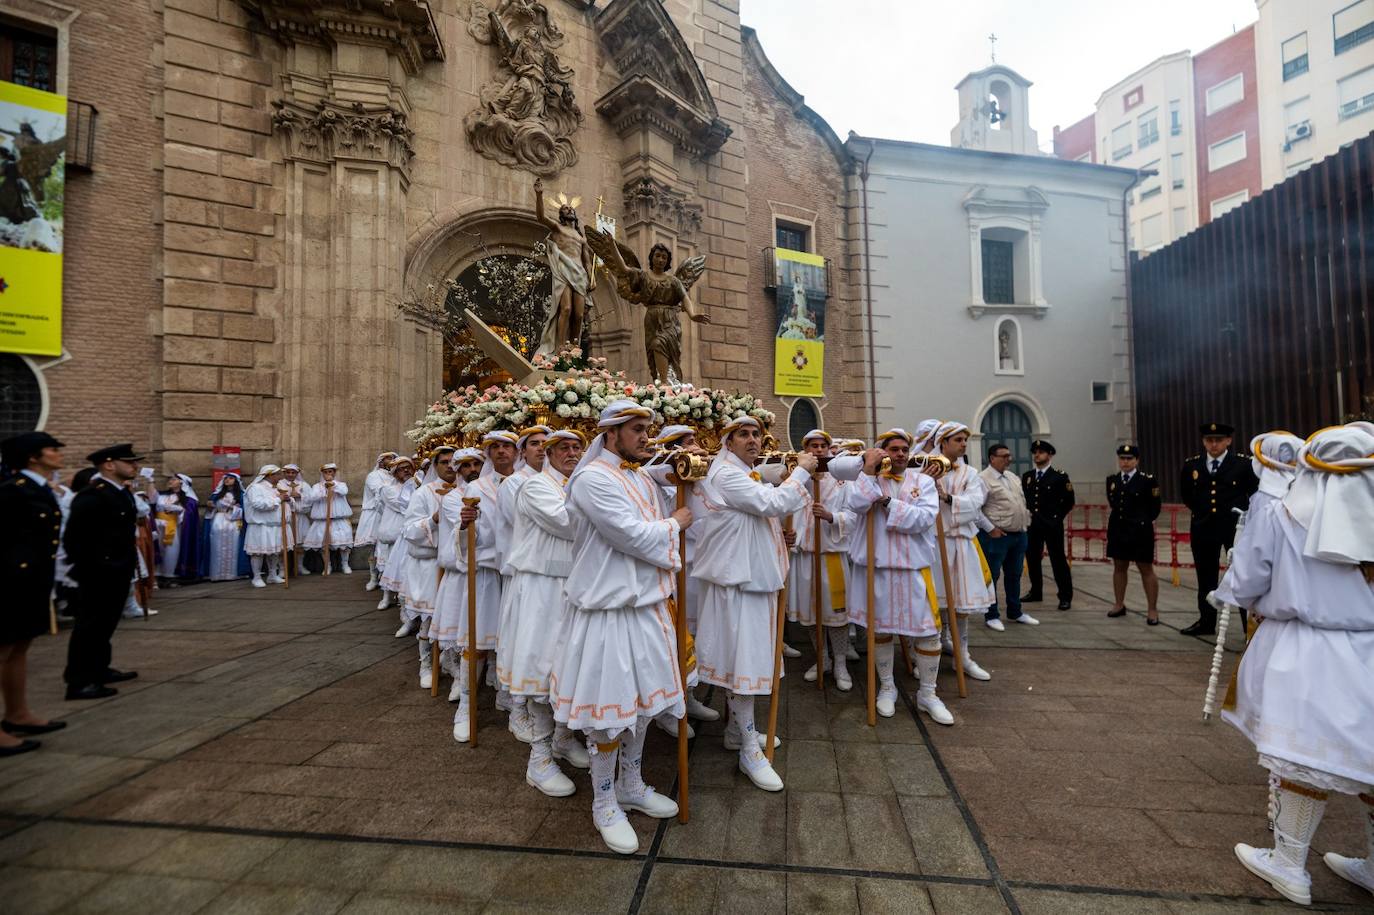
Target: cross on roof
x=992, y=41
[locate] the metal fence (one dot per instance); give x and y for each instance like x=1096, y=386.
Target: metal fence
x=1260, y=318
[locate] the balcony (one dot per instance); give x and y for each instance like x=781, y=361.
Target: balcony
x=811, y=269
x=81, y=119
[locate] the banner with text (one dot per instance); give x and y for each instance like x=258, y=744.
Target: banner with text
x=33, y=153
x=799, y=350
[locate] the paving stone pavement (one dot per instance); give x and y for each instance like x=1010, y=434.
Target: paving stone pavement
x=276, y=755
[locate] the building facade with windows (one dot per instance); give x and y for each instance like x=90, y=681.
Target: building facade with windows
x=998, y=284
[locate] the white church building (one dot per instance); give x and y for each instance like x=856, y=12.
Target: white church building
x=998, y=284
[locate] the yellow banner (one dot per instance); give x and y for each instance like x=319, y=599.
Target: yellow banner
x=799, y=350
x=33, y=146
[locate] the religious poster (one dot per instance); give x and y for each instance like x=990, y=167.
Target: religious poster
x=224, y=459
x=33, y=146
x=799, y=350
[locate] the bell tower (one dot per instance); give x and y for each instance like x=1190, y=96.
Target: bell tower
x=994, y=112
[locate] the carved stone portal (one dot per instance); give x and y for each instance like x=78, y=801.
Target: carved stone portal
x=528, y=114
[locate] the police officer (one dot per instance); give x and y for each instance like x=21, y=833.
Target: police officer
x=100, y=545
x=28, y=556
x=1135, y=502
x=1049, y=496
x=1212, y=484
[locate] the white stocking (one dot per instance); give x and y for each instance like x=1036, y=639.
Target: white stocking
x=631, y=782
x=1295, y=821
x=838, y=637
x=928, y=662
x=256, y=562
x=884, y=652
x=602, y=752
x=742, y=712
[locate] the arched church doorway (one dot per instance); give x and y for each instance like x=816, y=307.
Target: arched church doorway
x=1007, y=423
x=510, y=293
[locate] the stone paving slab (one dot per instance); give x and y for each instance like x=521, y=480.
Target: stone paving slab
x=276, y=755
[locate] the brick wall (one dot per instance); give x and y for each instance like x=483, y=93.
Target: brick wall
x=1078, y=138
x=1218, y=63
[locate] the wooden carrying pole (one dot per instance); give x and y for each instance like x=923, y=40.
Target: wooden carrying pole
x=328, y=522
x=285, y=550
x=471, y=649
x=777, y=663
x=680, y=625
x=434, y=645
x=816, y=594
x=949, y=607
x=872, y=640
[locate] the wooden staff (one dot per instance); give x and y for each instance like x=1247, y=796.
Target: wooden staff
x=52, y=617
x=777, y=662
x=471, y=651
x=872, y=640
x=328, y=521
x=680, y=625
x=438, y=580
x=816, y=598
x=285, y=550
x=296, y=548
x=949, y=607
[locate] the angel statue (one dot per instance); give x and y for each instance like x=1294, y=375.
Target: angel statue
x=570, y=266
x=660, y=292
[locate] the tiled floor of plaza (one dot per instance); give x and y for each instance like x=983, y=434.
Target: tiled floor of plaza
x=275, y=755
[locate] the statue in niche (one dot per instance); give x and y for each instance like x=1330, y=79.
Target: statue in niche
x=570, y=266
x=1004, y=348
x=661, y=293
x=526, y=116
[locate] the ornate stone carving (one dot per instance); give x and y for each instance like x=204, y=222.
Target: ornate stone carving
x=652, y=201
x=327, y=132
x=528, y=113
x=405, y=27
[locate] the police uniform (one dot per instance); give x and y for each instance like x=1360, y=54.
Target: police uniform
x=1135, y=506
x=28, y=542
x=1211, y=495
x=1049, y=496
x=100, y=542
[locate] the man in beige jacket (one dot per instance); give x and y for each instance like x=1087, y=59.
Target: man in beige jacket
x=1004, y=546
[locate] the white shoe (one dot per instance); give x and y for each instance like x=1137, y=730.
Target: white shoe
x=503, y=700
x=620, y=836
x=385, y=601
x=409, y=627
x=554, y=783
x=1027, y=619
x=764, y=777
x=842, y=681
x=1292, y=882
x=699, y=710
x=259, y=583
x=276, y=580
x=669, y=723
x=371, y=584
x=650, y=803
x=810, y=675
x=971, y=669
x=996, y=625
x=455, y=692
x=789, y=652
x=572, y=752
x=426, y=674
x=733, y=742
x=932, y=706
x=520, y=724
x=302, y=571
x=461, y=732
x=343, y=567
x=887, y=701
x=1358, y=871
x=137, y=613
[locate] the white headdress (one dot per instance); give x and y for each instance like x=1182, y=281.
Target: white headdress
x=882, y=439
x=498, y=436
x=925, y=435
x=295, y=467
x=1275, y=461
x=817, y=433
x=187, y=490
x=739, y=422
x=669, y=434
x=617, y=413
x=264, y=470
x=432, y=471
x=384, y=454
x=1333, y=494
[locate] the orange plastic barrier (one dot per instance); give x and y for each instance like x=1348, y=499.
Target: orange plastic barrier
x=1087, y=525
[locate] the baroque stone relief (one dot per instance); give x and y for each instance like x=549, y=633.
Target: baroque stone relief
x=526, y=115
x=651, y=201
x=329, y=131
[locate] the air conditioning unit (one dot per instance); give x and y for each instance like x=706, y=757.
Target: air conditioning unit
x=1299, y=131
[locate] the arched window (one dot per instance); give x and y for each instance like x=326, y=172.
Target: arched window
x=21, y=396
x=1007, y=424
x=1006, y=352
x=999, y=95
x=801, y=419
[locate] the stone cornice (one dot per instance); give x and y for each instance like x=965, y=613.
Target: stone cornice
x=405, y=27
x=328, y=131
x=641, y=101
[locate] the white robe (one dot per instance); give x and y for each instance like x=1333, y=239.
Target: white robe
x=903, y=554
x=451, y=614
x=1305, y=688
x=371, y=514
x=226, y=527
x=168, y=504
x=262, y=511
x=834, y=561
x=741, y=565
x=533, y=612
x=337, y=510
x=420, y=533
x=972, y=585
x=619, y=650
x=660, y=473
x=297, y=511
x=503, y=512
x=394, y=497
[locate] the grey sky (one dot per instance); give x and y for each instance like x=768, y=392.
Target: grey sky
x=888, y=67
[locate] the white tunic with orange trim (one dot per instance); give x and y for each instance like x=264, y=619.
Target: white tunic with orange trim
x=450, y=624
x=834, y=563
x=741, y=564
x=903, y=588
x=969, y=575
x=618, y=660
x=421, y=536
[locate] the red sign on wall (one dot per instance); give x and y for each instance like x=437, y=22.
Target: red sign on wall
x=225, y=459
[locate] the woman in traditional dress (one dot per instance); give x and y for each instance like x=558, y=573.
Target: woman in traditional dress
x=226, y=528
x=178, y=524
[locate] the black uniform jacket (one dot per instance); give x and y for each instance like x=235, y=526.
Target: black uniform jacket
x=100, y=533
x=1051, y=499
x=1210, y=497
x=28, y=540
x=1135, y=506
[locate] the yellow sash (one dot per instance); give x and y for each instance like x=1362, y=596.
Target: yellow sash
x=834, y=568
x=1229, y=703
x=691, y=664
x=930, y=596
x=169, y=532
x=983, y=562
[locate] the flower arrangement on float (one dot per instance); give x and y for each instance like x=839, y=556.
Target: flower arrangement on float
x=574, y=390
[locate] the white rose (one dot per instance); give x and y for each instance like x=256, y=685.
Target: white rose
x=564, y=410
x=570, y=397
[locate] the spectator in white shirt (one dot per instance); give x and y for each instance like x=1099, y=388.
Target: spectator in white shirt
x=1004, y=546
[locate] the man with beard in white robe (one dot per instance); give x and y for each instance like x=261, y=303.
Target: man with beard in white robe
x=539, y=558
x=618, y=667
x=297, y=514
x=1305, y=686
x=371, y=514
x=421, y=535
x=741, y=565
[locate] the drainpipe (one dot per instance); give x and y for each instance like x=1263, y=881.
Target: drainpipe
x=868, y=304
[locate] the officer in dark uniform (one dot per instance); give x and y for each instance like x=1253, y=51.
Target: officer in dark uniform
x=30, y=521
x=1212, y=484
x=1049, y=496
x=100, y=545
x=1135, y=502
